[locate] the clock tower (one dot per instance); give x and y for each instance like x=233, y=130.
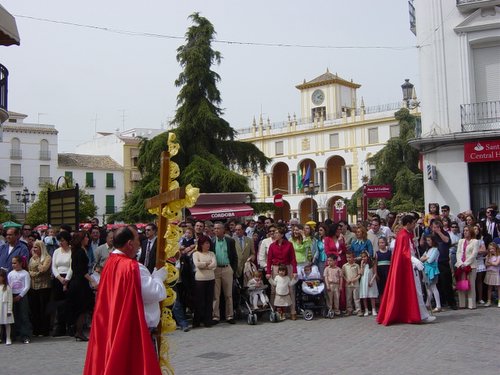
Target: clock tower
x=327, y=96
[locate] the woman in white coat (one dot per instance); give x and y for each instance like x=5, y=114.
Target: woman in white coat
x=467, y=250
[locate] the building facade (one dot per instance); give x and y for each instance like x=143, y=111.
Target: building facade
x=28, y=153
x=459, y=57
x=333, y=139
x=100, y=176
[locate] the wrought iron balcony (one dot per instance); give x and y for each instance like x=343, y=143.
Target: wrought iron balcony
x=44, y=155
x=110, y=210
x=16, y=180
x=4, y=80
x=468, y=5
x=16, y=153
x=483, y=116
x=44, y=180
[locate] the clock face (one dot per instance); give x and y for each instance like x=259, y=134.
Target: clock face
x=317, y=97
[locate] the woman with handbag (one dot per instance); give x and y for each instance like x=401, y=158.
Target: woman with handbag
x=466, y=265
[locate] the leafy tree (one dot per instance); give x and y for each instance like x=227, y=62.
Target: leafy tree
x=37, y=213
x=397, y=165
x=209, y=156
x=5, y=215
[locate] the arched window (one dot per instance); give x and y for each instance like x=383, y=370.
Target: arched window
x=15, y=151
x=44, y=150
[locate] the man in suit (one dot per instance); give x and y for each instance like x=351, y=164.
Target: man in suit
x=227, y=266
x=244, y=249
x=148, y=246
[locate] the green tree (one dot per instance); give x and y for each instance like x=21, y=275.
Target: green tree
x=37, y=213
x=209, y=156
x=5, y=215
x=397, y=164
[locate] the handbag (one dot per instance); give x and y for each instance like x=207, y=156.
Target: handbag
x=463, y=285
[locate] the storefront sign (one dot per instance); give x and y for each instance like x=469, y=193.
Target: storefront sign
x=482, y=151
x=378, y=191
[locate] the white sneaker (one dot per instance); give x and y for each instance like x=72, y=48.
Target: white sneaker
x=366, y=313
x=487, y=304
x=429, y=319
x=374, y=312
x=8, y=342
x=481, y=302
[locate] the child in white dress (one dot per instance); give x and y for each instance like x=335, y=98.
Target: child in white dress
x=368, y=289
x=6, y=316
x=492, y=278
x=282, y=284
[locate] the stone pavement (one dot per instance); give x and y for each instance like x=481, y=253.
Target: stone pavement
x=460, y=342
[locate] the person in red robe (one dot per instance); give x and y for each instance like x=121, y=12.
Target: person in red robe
x=120, y=339
x=402, y=301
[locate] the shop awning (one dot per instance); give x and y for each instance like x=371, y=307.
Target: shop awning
x=219, y=212
x=8, y=28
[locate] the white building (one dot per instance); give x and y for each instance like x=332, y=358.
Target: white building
x=100, y=176
x=459, y=52
x=28, y=153
x=334, y=137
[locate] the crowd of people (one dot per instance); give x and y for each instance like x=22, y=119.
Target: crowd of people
x=48, y=281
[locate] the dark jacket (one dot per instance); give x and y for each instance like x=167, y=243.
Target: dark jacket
x=152, y=254
x=231, y=250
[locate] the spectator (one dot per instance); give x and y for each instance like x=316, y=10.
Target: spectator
x=102, y=252
x=19, y=280
x=467, y=250
x=13, y=247
x=61, y=269
x=445, y=281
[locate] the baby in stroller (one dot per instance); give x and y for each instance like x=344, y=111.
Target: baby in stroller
x=311, y=280
x=256, y=289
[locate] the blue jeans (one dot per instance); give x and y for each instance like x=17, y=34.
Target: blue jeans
x=179, y=316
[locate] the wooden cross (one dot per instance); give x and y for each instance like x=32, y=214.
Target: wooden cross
x=160, y=201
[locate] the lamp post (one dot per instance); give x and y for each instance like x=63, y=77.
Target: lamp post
x=410, y=98
x=311, y=190
x=25, y=197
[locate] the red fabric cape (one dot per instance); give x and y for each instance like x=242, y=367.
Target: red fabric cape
x=120, y=342
x=399, y=301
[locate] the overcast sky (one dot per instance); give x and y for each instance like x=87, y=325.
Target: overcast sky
x=67, y=75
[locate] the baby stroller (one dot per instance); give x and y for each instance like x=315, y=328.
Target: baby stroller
x=310, y=298
x=247, y=303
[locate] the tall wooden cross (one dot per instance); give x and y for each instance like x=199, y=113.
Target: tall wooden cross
x=160, y=201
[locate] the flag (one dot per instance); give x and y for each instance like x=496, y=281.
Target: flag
x=299, y=179
x=307, y=176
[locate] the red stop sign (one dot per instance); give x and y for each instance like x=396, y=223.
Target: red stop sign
x=278, y=200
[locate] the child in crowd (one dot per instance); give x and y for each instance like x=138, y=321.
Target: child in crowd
x=257, y=290
x=282, y=284
x=384, y=256
x=431, y=271
x=6, y=316
x=492, y=278
x=351, y=273
x=311, y=280
x=51, y=241
x=367, y=286
x=20, y=282
x=96, y=275
x=432, y=215
x=333, y=280
x=309, y=272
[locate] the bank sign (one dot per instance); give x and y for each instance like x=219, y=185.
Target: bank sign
x=482, y=151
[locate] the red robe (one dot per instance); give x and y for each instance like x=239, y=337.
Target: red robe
x=399, y=301
x=120, y=342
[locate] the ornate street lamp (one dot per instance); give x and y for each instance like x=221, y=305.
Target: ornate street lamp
x=311, y=190
x=25, y=197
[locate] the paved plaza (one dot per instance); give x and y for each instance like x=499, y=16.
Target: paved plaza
x=460, y=342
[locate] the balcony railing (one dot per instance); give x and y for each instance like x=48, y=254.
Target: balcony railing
x=16, y=208
x=16, y=180
x=44, y=155
x=89, y=183
x=480, y=116
x=44, y=180
x=4, y=79
x=110, y=210
x=110, y=184
x=16, y=153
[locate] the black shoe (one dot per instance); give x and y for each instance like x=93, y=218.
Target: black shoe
x=81, y=338
x=454, y=307
x=231, y=321
x=186, y=329
x=215, y=322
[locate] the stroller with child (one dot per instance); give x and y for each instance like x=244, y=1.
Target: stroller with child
x=310, y=294
x=254, y=299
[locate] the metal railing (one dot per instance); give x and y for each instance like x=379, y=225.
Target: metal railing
x=480, y=116
x=16, y=208
x=110, y=210
x=16, y=180
x=110, y=184
x=44, y=155
x=44, y=180
x=16, y=153
x=4, y=80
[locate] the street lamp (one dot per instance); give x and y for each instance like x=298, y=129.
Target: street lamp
x=25, y=197
x=409, y=95
x=311, y=190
